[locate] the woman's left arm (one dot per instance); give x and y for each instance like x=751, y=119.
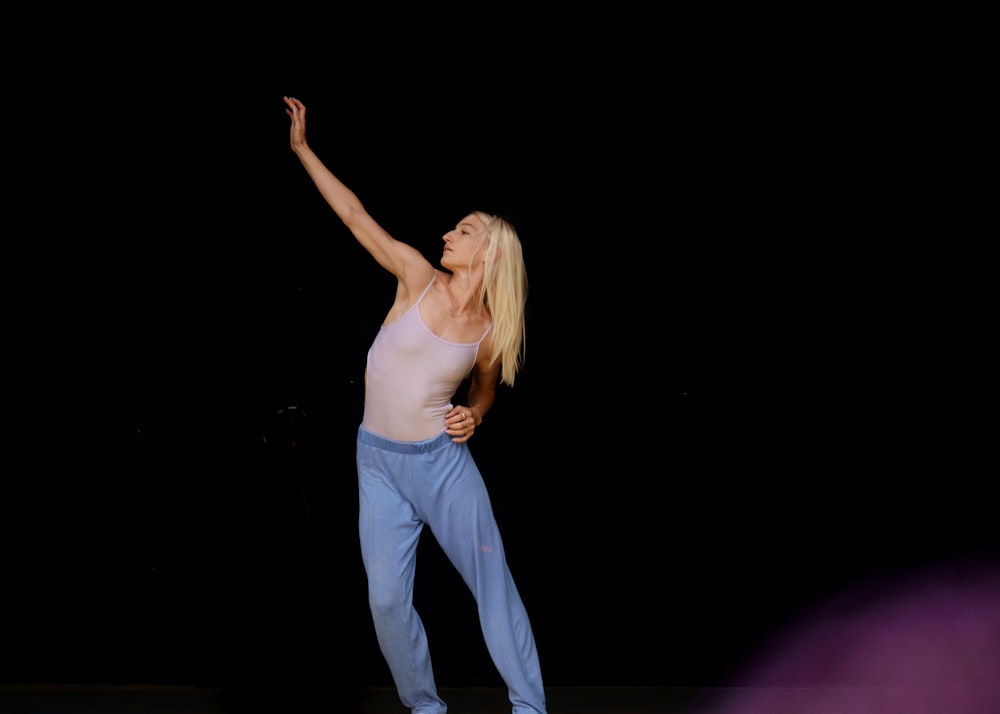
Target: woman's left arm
x=462, y=420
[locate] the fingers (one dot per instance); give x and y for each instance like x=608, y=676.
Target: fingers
x=462, y=423
x=294, y=108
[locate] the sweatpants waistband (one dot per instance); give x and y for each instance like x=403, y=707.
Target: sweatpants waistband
x=370, y=438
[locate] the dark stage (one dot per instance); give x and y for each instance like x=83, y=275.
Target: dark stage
x=742, y=472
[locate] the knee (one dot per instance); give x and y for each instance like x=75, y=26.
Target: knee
x=385, y=603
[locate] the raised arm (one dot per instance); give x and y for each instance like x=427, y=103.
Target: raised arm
x=400, y=259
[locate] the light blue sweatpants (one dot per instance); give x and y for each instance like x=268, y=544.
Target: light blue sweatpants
x=402, y=487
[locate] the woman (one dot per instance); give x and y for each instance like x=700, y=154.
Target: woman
x=413, y=459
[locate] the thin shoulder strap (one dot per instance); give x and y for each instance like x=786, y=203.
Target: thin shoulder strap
x=433, y=278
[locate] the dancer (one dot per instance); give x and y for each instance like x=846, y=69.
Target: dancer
x=413, y=458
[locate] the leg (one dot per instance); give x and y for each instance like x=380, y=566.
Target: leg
x=464, y=525
x=389, y=531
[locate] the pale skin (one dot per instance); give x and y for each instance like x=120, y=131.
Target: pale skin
x=450, y=307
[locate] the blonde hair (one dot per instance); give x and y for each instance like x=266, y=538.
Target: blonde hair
x=505, y=292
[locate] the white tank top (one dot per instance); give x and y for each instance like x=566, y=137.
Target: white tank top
x=412, y=375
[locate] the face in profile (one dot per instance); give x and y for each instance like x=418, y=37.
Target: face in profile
x=464, y=242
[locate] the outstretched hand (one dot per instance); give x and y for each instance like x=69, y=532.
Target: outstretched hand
x=297, y=133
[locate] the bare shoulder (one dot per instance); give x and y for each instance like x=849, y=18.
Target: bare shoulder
x=486, y=350
x=487, y=368
x=409, y=288
x=418, y=276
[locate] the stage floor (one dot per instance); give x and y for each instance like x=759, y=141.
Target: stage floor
x=138, y=699
x=158, y=699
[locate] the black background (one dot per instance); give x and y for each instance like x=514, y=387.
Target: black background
x=743, y=390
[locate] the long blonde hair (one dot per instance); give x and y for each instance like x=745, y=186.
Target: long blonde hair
x=505, y=292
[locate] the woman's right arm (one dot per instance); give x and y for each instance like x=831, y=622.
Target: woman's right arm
x=391, y=254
